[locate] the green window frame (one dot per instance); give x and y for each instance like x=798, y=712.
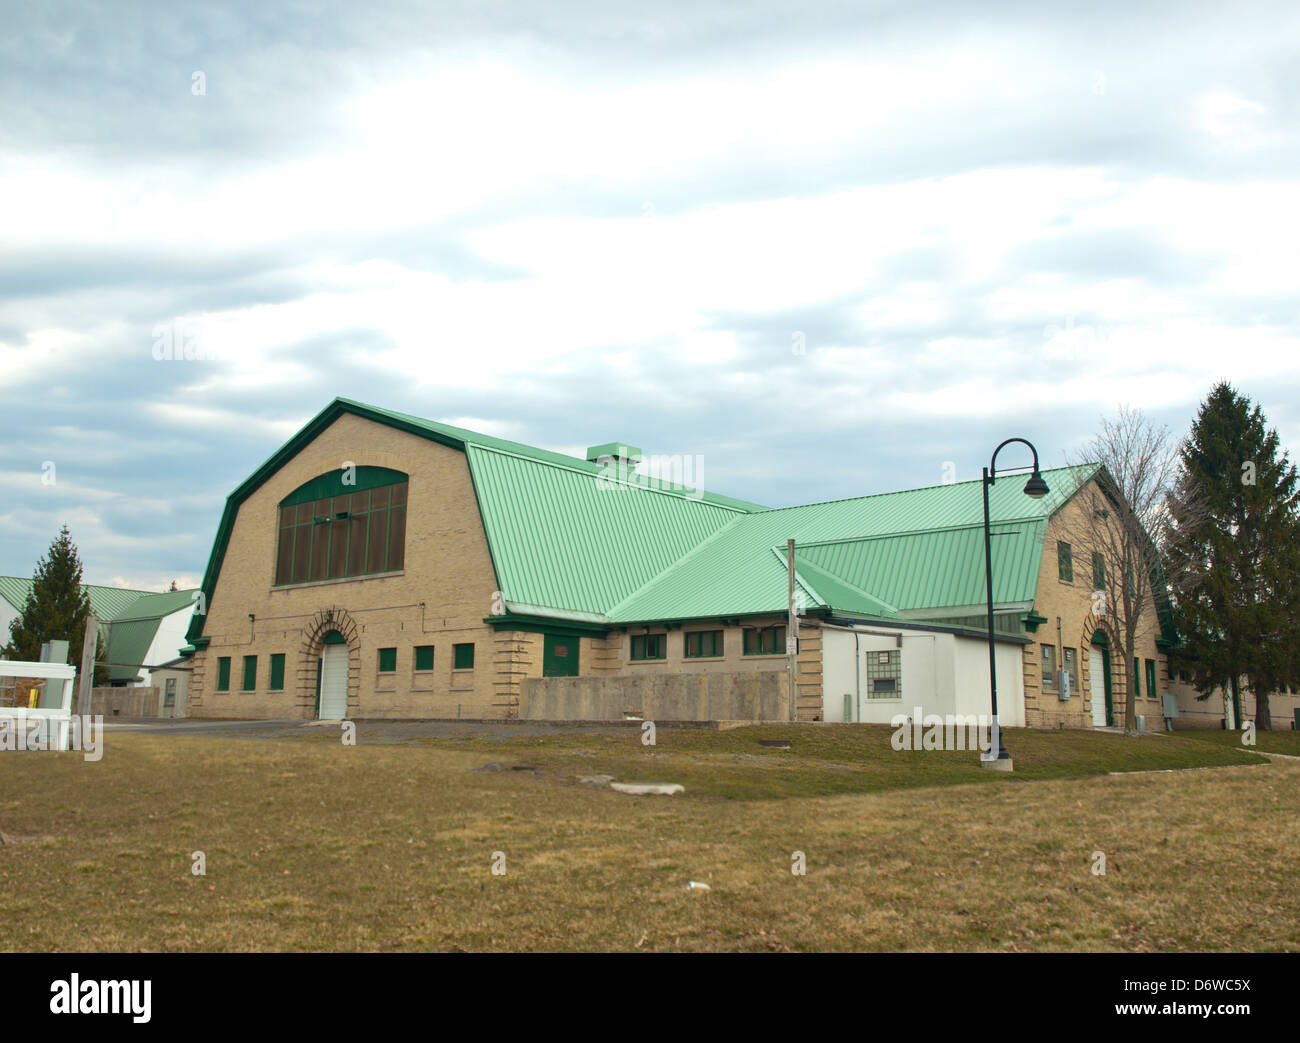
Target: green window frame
x=1098, y=571
x=764, y=641
x=223, y=674
x=343, y=524
x=1151, y=680
x=703, y=644
x=250, y=674
x=463, y=656
x=388, y=660
x=649, y=646
x=1049, y=666
x=1064, y=562
x=1137, y=678
x=277, y=672
x=424, y=657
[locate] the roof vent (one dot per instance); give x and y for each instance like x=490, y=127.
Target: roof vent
x=623, y=455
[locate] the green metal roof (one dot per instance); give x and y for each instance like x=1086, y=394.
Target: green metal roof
x=155, y=606
x=939, y=564
x=105, y=602
x=128, y=642
x=564, y=536
x=568, y=542
x=561, y=537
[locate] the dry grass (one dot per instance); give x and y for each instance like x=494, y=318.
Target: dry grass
x=311, y=845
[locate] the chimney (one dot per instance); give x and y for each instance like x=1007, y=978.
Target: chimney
x=623, y=456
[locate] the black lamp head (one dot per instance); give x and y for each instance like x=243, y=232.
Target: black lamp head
x=1036, y=487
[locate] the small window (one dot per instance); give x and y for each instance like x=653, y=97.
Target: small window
x=1049, y=666
x=387, y=660
x=463, y=657
x=702, y=644
x=1064, y=562
x=424, y=657
x=649, y=646
x=1071, y=660
x=277, y=672
x=250, y=673
x=1137, y=678
x=223, y=674
x=1151, y=679
x=884, y=674
x=1098, y=571
x=764, y=641
x=169, y=699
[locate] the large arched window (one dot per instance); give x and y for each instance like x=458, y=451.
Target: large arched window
x=349, y=522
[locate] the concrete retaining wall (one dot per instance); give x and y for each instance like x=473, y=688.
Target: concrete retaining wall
x=750, y=696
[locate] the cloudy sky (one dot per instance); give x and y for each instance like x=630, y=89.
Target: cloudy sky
x=829, y=248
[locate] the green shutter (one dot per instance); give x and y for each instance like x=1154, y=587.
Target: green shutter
x=1098, y=572
x=250, y=673
x=424, y=657
x=464, y=657
x=1151, y=679
x=1137, y=678
x=223, y=674
x=387, y=660
x=277, y=672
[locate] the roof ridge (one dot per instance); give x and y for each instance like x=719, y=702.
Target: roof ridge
x=894, y=533
x=917, y=489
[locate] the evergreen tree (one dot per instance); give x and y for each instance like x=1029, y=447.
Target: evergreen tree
x=1236, y=613
x=56, y=609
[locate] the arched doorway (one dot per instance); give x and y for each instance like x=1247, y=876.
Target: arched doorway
x=332, y=678
x=1103, y=711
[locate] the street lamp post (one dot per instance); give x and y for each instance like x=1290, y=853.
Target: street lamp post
x=1000, y=759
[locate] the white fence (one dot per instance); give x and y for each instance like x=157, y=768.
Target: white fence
x=53, y=709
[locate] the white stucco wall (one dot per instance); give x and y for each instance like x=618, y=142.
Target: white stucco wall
x=941, y=673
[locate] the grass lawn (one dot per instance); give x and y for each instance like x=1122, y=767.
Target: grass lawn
x=313, y=845
x=1285, y=742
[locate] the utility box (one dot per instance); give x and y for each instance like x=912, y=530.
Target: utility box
x=1063, y=685
x=54, y=652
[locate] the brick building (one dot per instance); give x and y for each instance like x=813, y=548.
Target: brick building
x=383, y=565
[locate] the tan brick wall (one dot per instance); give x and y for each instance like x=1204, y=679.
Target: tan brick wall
x=1072, y=602
x=447, y=566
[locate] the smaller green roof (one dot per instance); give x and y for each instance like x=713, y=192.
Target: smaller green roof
x=105, y=602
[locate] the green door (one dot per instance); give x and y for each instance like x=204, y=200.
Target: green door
x=560, y=656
